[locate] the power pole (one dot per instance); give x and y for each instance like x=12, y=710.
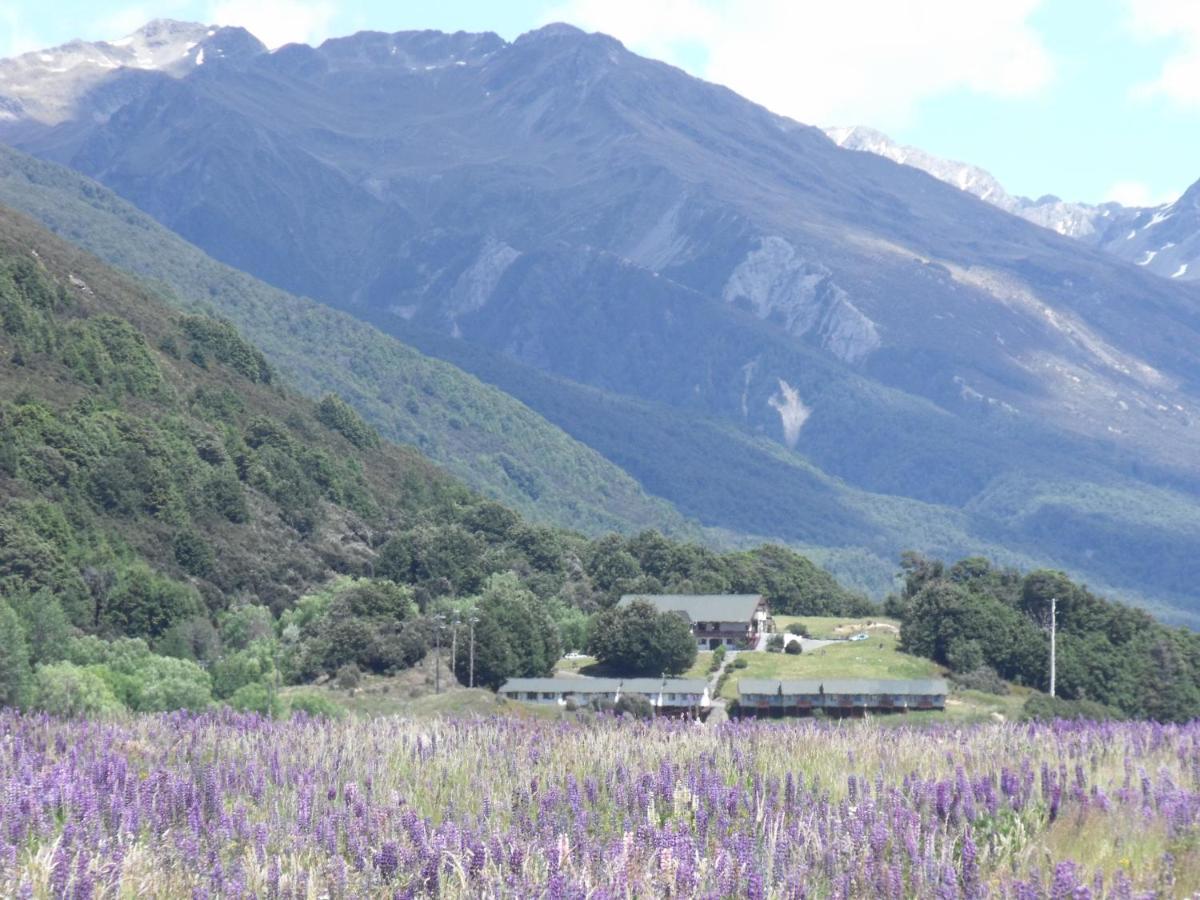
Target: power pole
x=454, y=644
x=473, y=620
x=1053, y=639
x=437, y=669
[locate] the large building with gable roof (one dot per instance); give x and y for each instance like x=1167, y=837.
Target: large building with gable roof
x=716, y=620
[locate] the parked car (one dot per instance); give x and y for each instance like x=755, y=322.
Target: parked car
x=861, y=636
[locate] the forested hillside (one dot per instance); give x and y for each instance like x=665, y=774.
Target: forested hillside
x=981, y=620
x=483, y=436
x=612, y=227
x=178, y=525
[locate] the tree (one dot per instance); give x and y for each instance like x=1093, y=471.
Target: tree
x=44, y=623
x=639, y=640
x=514, y=637
x=163, y=684
x=14, y=659
x=65, y=689
x=146, y=604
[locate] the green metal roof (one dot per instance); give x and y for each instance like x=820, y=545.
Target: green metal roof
x=812, y=686
x=702, y=607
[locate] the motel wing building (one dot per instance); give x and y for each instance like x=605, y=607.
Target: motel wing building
x=716, y=620
x=838, y=696
x=666, y=695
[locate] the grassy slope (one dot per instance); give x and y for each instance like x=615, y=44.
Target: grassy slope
x=487, y=438
x=878, y=657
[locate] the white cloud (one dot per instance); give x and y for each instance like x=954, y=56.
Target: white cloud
x=1177, y=21
x=16, y=35
x=277, y=22
x=1137, y=193
x=850, y=61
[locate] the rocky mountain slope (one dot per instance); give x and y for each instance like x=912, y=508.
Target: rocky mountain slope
x=1137, y=235
x=605, y=221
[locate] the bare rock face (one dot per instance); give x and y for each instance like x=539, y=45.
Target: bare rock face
x=777, y=285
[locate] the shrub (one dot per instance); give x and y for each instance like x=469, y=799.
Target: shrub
x=740, y=663
x=798, y=628
x=315, y=705
x=985, y=679
x=163, y=684
x=1044, y=708
x=347, y=677
x=793, y=648
x=775, y=643
x=635, y=706
x=258, y=698
x=65, y=689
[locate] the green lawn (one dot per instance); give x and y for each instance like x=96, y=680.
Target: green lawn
x=573, y=666
x=587, y=665
x=875, y=658
x=700, y=667
x=831, y=627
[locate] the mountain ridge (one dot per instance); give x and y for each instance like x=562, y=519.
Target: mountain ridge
x=608, y=220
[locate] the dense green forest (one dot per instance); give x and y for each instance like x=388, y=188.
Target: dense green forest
x=179, y=527
x=982, y=621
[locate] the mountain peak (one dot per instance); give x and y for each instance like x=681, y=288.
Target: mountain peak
x=46, y=85
x=554, y=30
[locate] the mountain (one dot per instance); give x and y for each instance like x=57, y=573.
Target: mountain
x=486, y=438
x=1139, y=235
x=599, y=226
x=160, y=480
x=1077, y=220
x=1163, y=239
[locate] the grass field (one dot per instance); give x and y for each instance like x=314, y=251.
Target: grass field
x=876, y=658
x=835, y=627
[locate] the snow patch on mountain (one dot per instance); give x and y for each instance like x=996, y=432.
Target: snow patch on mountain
x=48, y=84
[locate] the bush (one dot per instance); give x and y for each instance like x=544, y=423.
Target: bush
x=1044, y=708
x=775, y=643
x=798, y=628
x=315, y=705
x=258, y=698
x=65, y=689
x=347, y=677
x=740, y=663
x=718, y=656
x=793, y=648
x=635, y=706
x=163, y=684
x=985, y=679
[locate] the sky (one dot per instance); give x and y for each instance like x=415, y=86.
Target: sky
x=1089, y=100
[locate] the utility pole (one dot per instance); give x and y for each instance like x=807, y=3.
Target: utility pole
x=1053, y=639
x=454, y=645
x=437, y=639
x=472, y=621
